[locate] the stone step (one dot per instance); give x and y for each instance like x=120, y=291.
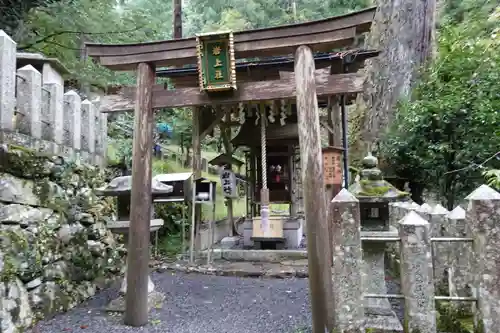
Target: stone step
x=270, y=256
x=285, y=269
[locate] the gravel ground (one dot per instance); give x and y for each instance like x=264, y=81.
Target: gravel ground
x=206, y=304
x=201, y=303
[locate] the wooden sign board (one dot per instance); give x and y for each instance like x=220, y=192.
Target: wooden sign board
x=332, y=165
x=229, y=184
x=216, y=61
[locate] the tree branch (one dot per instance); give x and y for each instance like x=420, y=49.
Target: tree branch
x=64, y=32
x=62, y=45
x=474, y=165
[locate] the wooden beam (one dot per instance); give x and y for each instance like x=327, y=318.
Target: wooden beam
x=311, y=159
x=270, y=41
x=322, y=42
x=136, y=303
x=326, y=84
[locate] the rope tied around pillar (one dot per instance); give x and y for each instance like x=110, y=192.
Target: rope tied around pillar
x=263, y=145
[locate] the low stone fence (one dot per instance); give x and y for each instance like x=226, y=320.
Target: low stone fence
x=37, y=113
x=452, y=248
x=55, y=249
x=424, y=235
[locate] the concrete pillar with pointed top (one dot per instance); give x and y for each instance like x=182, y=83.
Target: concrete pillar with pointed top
x=416, y=274
x=483, y=215
x=459, y=277
x=88, y=130
x=440, y=250
x=72, y=122
x=54, y=116
x=29, y=102
x=425, y=210
x=347, y=263
x=7, y=81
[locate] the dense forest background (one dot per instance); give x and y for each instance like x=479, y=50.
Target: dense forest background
x=431, y=109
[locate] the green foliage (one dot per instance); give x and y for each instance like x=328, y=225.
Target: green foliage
x=452, y=124
x=449, y=318
x=60, y=29
x=493, y=178
x=204, y=16
x=170, y=245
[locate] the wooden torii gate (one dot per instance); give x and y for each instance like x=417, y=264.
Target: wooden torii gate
x=308, y=87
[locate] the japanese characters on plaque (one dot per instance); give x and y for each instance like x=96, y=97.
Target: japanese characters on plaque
x=216, y=61
x=228, y=183
x=332, y=166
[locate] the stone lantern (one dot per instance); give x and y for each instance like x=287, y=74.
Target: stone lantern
x=374, y=195
x=121, y=188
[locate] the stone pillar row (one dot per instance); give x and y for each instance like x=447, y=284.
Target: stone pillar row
x=416, y=228
x=40, y=116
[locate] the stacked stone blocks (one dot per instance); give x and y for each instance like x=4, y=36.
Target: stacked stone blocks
x=55, y=248
x=39, y=115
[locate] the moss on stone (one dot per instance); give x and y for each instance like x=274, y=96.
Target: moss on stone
x=9, y=272
x=24, y=162
x=376, y=188
x=449, y=319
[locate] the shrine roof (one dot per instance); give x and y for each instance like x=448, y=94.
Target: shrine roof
x=225, y=159
x=321, y=35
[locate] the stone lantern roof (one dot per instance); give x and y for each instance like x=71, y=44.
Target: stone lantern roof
x=372, y=187
x=123, y=185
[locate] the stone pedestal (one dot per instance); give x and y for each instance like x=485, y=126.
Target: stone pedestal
x=378, y=311
x=122, y=228
x=123, y=288
x=154, y=297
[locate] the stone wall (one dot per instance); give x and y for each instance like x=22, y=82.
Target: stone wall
x=55, y=250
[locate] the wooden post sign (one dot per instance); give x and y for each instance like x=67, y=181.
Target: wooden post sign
x=228, y=183
x=332, y=165
x=216, y=62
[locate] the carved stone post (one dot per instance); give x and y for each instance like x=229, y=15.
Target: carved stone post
x=440, y=250
x=87, y=130
x=7, y=81
x=483, y=215
x=460, y=265
x=347, y=263
x=416, y=274
x=72, y=121
x=29, y=101
x=55, y=115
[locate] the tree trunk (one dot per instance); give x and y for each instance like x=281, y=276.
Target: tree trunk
x=403, y=30
x=177, y=19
